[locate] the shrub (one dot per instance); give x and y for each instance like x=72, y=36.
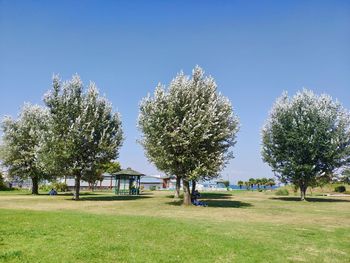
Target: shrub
x=152, y=188
x=45, y=187
x=2, y=183
x=60, y=187
x=340, y=189
x=282, y=191
x=4, y=187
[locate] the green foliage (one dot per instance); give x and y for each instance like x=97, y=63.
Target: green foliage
x=111, y=167
x=188, y=129
x=23, y=142
x=152, y=188
x=345, y=176
x=259, y=182
x=282, y=192
x=306, y=138
x=84, y=132
x=45, y=187
x=3, y=186
x=60, y=186
x=340, y=189
x=226, y=183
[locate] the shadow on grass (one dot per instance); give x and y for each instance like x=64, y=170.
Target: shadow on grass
x=209, y=196
x=310, y=199
x=71, y=194
x=114, y=198
x=217, y=203
x=216, y=196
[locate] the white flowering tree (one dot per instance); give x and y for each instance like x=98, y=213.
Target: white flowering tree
x=188, y=128
x=306, y=138
x=23, y=142
x=84, y=131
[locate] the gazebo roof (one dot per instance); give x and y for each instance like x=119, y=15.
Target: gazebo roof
x=130, y=172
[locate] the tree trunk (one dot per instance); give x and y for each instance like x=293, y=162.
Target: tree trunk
x=35, y=186
x=193, y=187
x=303, y=192
x=77, y=188
x=187, y=193
x=177, y=187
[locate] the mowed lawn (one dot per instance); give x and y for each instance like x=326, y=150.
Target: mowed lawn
x=236, y=227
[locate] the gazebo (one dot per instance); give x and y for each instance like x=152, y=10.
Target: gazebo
x=127, y=182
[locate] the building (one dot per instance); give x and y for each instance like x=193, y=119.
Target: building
x=155, y=182
x=107, y=183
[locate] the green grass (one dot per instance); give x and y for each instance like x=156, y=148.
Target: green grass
x=241, y=226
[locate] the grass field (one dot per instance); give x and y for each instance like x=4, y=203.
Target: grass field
x=239, y=226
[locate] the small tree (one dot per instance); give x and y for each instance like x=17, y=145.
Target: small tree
x=84, y=132
x=188, y=128
x=306, y=138
x=264, y=182
x=2, y=182
x=345, y=176
x=271, y=182
x=240, y=183
x=258, y=182
x=112, y=168
x=252, y=182
x=93, y=176
x=23, y=142
x=226, y=183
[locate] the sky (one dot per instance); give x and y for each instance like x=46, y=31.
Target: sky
x=255, y=50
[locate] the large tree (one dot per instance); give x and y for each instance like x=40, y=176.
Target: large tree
x=188, y=128
x=306, y=138
x=23, y=140
x=84, y=131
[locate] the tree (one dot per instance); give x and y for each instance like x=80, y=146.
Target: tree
x=240, y=183
x=2, y=182
x=258, y=182
x=306, y=138
x=23, y=142
x=84, y=132
x=92, y=176
x=252, y=182
x=111, y=168
x=226, y=183
x=271, y=182
x=188, y=128
x=345, y=176
x=264, y=182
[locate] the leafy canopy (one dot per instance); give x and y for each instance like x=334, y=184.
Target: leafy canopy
x=188, y=128
x=84, y=132
x=23, y=142
x=306, y=138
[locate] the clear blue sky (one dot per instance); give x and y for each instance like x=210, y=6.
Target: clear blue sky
x=254, y=50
